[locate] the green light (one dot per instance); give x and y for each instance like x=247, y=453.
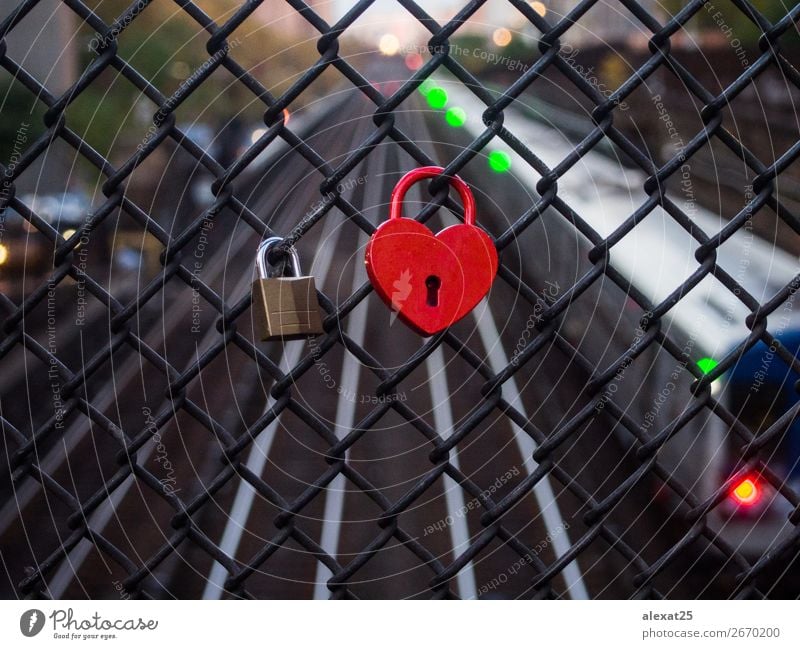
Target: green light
x=437, y=98
x=455, y=116
x=499, y=161
x=707, y=365
x=426, y=86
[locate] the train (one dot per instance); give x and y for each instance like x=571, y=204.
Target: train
x=708, y=323
x=759, y=389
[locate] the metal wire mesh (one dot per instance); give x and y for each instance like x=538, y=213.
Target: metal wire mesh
x=604, y=513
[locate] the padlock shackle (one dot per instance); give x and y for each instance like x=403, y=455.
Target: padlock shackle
x=261, y=257
x=415, y=175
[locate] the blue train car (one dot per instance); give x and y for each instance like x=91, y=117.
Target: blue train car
x=762, y=389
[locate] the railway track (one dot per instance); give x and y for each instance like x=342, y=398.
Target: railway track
x=287, y=517
x=27, y=506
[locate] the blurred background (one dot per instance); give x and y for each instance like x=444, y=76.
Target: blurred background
x=277, y=45
x=123, y=295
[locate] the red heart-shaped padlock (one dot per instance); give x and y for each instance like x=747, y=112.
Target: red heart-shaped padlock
x=431, y=281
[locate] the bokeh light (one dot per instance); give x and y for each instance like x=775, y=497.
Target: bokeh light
x=437, y=98
x=746, y=492
x=501, y=37
x=499, y=161
x=455, y=116
x=426, y=86
x=414, y=61
x=539, y=8
x=389, y=45
x=256, y=134
x=706, y=365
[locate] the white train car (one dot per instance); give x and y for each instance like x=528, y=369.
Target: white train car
x=708, y=322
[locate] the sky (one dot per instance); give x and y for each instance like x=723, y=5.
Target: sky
x=389, y=15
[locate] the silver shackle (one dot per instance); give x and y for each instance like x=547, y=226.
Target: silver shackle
x=261, y=257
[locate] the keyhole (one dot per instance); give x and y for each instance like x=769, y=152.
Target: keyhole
x=433, y=283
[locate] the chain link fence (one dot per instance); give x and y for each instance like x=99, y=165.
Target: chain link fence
x=641, y=446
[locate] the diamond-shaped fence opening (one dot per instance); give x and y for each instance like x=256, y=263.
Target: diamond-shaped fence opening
x=616, y=419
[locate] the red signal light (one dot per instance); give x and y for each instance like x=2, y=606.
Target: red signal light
x=414, y=61
x=746, y=492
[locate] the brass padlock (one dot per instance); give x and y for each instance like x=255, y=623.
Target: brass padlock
x=285, y=307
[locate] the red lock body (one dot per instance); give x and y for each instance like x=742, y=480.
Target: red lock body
x=431, y=281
